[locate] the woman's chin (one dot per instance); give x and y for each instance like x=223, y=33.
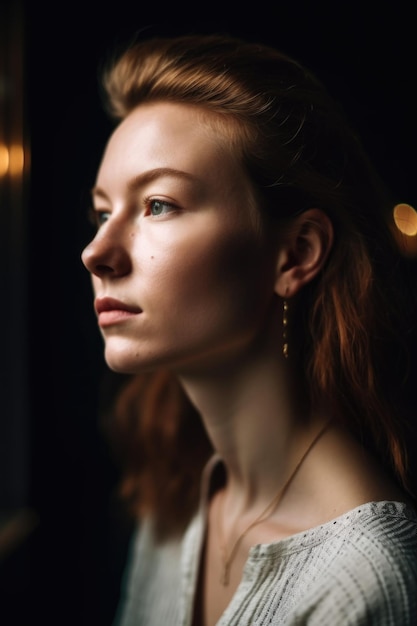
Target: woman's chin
x=125, y=359
x=120, y=361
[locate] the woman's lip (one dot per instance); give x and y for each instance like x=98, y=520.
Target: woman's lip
x=111, y=311
x=104, y=305
x=114, y=316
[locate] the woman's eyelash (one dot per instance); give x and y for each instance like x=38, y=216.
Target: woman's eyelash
x=156, y=206
x=96, y=217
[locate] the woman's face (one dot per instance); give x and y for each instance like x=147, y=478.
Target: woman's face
x=182, y=276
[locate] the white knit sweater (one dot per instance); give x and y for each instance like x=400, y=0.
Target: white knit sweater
x=358, y=569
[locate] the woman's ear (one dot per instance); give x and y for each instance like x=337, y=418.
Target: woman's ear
x=303, y=251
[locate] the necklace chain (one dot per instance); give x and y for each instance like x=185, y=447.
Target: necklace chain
x=227, y=559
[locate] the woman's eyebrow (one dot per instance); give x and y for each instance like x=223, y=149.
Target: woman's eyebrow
x=145, y=177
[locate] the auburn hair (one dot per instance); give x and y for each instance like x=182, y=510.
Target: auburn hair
x=299, y=152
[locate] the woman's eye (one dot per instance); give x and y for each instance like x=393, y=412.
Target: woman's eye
x=97, y=218
x=160, y=207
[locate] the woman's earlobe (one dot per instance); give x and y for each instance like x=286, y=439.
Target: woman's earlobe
x=304, y=251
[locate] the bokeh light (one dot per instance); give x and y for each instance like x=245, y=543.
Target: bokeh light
x=405, y=218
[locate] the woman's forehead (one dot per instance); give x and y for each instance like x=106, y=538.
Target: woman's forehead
x=175, y=136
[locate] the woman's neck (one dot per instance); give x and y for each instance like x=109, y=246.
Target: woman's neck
x=256, y=422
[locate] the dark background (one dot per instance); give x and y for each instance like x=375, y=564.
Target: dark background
x=68, y=570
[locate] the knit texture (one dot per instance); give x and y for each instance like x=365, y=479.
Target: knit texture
x=358, y=569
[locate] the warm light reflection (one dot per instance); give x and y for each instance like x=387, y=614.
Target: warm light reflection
x=12, y=160
x=405, y=218
x=16, y=160
x=4, y=160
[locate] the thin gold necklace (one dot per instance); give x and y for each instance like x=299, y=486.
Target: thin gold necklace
x=227, y=559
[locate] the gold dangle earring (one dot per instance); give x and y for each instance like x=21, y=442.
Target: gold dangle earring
x=284, y=329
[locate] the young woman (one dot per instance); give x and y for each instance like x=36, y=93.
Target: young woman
x=246, y=275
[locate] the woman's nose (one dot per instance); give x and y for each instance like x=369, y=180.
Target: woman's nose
x=104, y=257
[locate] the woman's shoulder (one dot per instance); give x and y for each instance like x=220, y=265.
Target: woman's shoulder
x=362, y=565
x=373, y=560
x=384, y=525
x=379, y=531
x=376, y=540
